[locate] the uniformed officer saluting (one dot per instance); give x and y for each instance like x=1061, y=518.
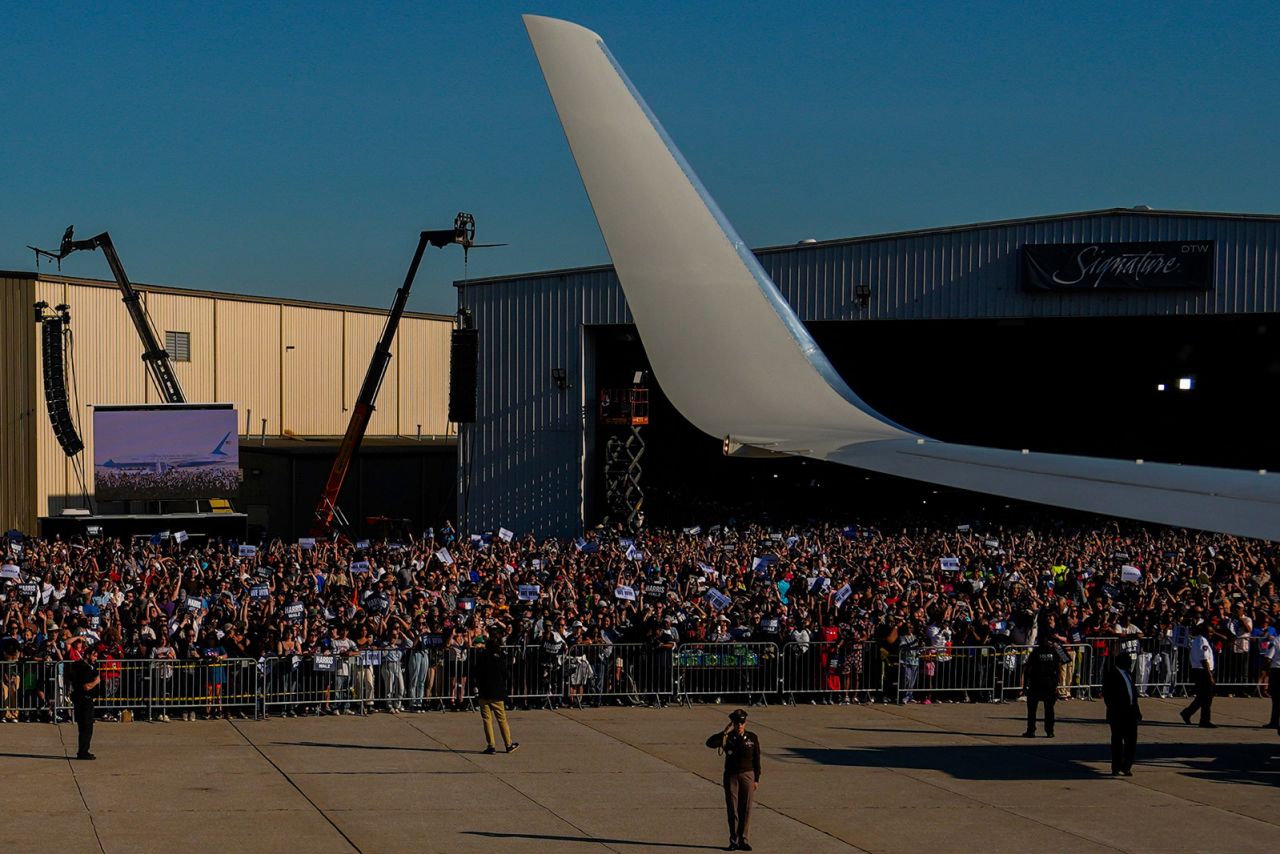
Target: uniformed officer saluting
x=741, y=775
x=84, y=687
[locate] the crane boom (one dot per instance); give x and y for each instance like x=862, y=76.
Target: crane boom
x=154, y=356
x=327, y=509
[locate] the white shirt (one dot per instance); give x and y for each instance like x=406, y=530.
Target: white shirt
x=1201, y=653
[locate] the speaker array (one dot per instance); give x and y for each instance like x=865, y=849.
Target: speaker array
x=463, y=360
x=55, y=388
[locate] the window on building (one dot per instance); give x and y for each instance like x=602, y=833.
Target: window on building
x=179, y=346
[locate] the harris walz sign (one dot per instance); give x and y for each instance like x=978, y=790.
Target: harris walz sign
x=1184, y=264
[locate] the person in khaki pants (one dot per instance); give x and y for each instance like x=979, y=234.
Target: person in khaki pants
x=490, y=680
x=741, y=749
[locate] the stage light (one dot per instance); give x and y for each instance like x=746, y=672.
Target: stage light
x=1186, y=383
x=1159, y=386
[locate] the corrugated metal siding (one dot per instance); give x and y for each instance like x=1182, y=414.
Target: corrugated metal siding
x=527, y=470
x=19, y=407
x=193, y=315
x=311, y=365
x=423, y=351
x=360, y=336
x=248, y=354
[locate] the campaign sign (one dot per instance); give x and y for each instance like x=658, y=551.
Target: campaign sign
x=360, y=566
x=769, y=625
x=444, y=557
x=294, y=611
x=307, y=543
x=950, y=564
x=248, y=551
x=655, y=591
x=362, y=545
x=529, y=592
x=259, y=591
x=11, y=572
x=263, y=572
x=694, y=531
x=707, y=570
x=194, y=603
x=369, y=657
x=466, y=603
x=623, y=591
x=842, y=594
x=505, y=535
x=31, y=590
x=323, y=663
x=180, y=536
x=1130, y=574
x=718, y=600
x=634, y=553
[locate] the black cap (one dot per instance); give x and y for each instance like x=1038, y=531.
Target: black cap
x=738, y=715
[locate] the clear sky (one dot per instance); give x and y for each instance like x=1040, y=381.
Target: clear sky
x=296, y=149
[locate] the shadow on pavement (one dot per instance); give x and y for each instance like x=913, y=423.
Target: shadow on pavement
x=1043, y=759
x=600, y=840
x=33, y=756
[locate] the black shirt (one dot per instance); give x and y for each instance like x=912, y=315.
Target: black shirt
x=82, y=673
x=1042, y=669
x=491, y=676
x=741, y=752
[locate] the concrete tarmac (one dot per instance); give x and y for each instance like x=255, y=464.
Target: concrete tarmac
x=946, y=777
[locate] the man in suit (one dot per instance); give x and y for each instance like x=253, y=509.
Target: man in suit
x=1121, y=696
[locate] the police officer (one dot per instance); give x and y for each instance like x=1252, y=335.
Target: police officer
x=84, y=687
x=741, y=750
x=1202, y=676
x=1040, y=683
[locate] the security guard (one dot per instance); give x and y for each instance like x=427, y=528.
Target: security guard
x=1040, y=683
x=1202, y=676
x=84, y=687
x=741, y=750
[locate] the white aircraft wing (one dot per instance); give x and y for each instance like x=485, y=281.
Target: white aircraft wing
x=735, y=360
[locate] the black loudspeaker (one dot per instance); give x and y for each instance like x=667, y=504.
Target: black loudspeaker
x=55, y=388
x=464, y=349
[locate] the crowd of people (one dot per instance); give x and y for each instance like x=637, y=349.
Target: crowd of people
x=849, y=599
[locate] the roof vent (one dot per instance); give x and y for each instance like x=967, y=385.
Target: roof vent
x=806, y=240
x=1141, y=208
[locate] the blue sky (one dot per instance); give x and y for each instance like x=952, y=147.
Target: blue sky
x=297, y=149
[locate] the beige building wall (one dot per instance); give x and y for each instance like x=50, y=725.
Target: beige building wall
x=298, y=365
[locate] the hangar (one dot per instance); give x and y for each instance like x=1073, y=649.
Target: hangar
x=1125, y=332
x=291, y=368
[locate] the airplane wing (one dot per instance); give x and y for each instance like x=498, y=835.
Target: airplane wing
x=736, y=361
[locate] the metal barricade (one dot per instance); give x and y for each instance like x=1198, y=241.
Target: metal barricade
x=308, y=684
x=726, y=670
x=32, y=689
x=634, y=673
x=964, y=672
x=1075, y=676
x=1238, y=665
x=1161, y=669
x=834, y=671
x=536, y=674
x=156, y=687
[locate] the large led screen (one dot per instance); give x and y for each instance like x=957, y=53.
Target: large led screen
x=165, y=453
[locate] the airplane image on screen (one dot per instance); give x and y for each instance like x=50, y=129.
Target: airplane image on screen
x=161, y=463
x=737, y=362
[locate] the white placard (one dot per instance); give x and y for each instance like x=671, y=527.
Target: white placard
x=10, y=571
x=180, y=536
x=1130, y=574
x=359, y=566
x=362, y=545
x=842, y=594
x=529, y=592
x=248, y=551
x=623, y=591
x=719, y=601
x=634, y=553
x=949, y=564
x=307, y=543
x=505, y=535
x=444, y=557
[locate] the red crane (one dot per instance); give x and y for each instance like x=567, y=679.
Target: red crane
x=463, y=233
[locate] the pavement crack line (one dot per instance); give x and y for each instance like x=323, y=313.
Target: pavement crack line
x=714, y=782
x=71, y=764
x=296, y=787
x=526, y=796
